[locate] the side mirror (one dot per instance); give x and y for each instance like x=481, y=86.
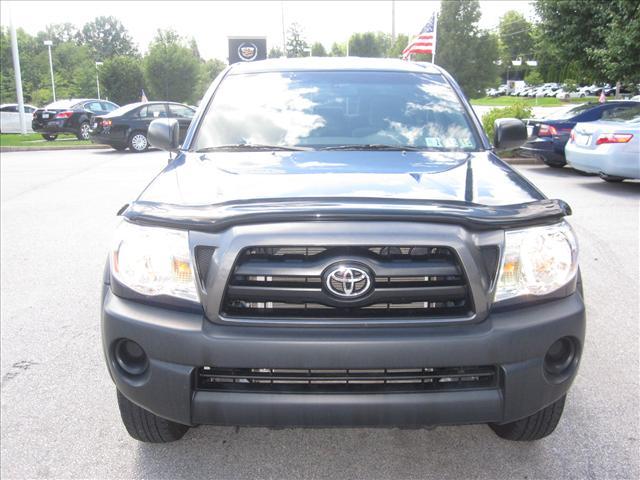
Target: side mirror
x=164, y=133
x=509, y=133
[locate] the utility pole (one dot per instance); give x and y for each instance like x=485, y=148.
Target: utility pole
x=48, y=43
x=393, y=20
x=284, y=37
x=98, y=78
x=18, y=74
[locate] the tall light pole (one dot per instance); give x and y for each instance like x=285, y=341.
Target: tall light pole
x=48, y=43
x=98, y=78
x=393, y=20
x=17, y=74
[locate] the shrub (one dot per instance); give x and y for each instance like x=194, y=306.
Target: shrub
x=533, y=78
x=517, y=110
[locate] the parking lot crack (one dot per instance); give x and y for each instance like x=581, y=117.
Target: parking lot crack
x=16, y=369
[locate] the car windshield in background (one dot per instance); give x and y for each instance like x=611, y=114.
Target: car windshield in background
x=329, y=109
x=630, y=115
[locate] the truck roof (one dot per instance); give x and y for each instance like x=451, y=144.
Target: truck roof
x=333, y=63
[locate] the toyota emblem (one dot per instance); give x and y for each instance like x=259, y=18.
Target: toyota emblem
x=347, y=281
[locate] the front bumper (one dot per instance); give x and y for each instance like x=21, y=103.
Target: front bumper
x=177, y=343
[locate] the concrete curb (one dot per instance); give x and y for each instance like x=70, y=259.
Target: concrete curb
x=62, y=147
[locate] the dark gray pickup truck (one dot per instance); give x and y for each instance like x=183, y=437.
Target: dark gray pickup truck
x=336, y=243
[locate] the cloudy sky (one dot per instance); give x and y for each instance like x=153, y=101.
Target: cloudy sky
x=211, y=22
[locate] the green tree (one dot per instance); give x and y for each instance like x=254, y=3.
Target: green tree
x=122, y=79
x=296, y=44
x=61, y=32
x=275, y=52
x=465, y=51
x=568, y=31
x=338, y=50
x=396, y=48
x=533, y=78
x=619, y=54
x=369, y=44
x=170, y=68
x=107, y=37
x=318, y=50
x=515, y=41
x=514, y=32
x=209, y=70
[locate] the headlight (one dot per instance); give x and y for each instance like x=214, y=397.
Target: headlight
x=153, y=261
x=537, y=261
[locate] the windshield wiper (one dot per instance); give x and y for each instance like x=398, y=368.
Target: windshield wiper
x=251, y=146
x=371, y=146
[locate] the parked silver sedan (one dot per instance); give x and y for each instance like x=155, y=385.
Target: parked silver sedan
x=610, y=148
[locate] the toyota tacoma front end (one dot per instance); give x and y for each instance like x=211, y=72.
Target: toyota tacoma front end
x=337, y=244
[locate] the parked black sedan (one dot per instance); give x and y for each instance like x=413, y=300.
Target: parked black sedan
x=548, y=136
x=128, y=125
x=69, y=116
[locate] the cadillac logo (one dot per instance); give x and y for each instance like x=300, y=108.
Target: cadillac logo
x=247, y=51
x=346, y=281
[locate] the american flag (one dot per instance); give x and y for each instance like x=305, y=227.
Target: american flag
x=425, y=42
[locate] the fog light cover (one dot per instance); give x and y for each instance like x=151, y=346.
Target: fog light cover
x=537, y=261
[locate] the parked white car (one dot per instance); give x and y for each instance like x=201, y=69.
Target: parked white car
x=610, y=148
x=10, y=118
x=565, y=95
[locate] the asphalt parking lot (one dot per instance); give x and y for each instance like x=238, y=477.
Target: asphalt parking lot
x=59, y=413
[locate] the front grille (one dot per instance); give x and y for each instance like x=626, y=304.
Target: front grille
x=288, y=282
x=348, y=380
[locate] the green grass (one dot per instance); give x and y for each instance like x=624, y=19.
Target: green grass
x=533, y=102
x=35, y=140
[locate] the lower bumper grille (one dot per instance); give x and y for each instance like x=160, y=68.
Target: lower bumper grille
x=348, y=380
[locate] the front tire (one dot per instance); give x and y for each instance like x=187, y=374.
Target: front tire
x=83, y=132
x=144, y=426
x=533, y=427
x=49, y=138
x=138, y=142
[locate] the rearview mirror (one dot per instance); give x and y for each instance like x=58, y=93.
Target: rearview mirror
x=164, y=133
x=509, y=133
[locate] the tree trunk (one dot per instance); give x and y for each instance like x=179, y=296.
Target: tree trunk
x=618, y=89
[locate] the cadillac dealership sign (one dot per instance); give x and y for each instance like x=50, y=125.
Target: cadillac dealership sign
x=247, y=49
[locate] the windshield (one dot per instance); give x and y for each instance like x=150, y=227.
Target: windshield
x=328, y=109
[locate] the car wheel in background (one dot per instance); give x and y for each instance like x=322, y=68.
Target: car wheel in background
x=83, y=132
x=138, y=142
x=49, y=138
x=552, y=164
x=610, y=178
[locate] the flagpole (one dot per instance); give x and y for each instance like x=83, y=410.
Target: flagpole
x=435, y=38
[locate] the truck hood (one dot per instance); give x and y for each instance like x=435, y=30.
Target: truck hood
x=216, y=188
